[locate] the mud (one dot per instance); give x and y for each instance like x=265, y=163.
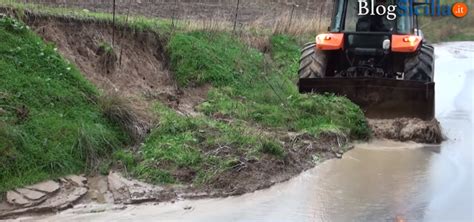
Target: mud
x=303, y=152
x=134, y=64
x=407, y=129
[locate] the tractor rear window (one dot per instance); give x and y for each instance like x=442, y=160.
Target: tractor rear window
x=353, y=22
x=367, y=23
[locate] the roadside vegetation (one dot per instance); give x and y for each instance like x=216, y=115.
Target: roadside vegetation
x=448, y=28
x=445, y=29
x=250, y=90
x=186, y=149
x=50, y=124
x=253, y=98
x=258, y=87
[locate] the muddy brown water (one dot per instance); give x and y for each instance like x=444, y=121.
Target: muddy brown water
x=379, y=181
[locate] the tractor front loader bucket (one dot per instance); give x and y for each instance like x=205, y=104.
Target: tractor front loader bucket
x=379, y=98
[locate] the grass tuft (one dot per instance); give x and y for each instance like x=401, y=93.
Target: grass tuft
x=185, y=149
x=273, y=148
x=117, y=110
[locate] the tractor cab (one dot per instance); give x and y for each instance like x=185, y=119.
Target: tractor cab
x=375, y=57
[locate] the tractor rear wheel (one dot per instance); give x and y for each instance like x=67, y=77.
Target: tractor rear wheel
x=313, y=62
x=420, y=66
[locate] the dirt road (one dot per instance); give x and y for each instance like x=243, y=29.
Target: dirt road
x=381, y=181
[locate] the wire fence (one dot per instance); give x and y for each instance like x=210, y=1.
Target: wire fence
x=281, y=15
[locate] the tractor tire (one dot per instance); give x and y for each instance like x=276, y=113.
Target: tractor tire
x=313, y=62
x=420, y=67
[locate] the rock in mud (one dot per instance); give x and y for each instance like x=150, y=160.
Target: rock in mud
x=132, y=191
x=77, y=180
x=30, y=194
x=64, y=199
x=407, y=129
x=15, y=198
x=47, y=196
x=47, y=187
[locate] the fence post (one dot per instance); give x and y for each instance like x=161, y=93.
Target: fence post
x=236, y=15
x=113, y=24
x=123, y=30
x=320, y=18
x=173, y=16
x=291, y=16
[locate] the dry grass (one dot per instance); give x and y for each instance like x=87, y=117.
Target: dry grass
x=284, y=24
x=119, y=111
x=299, y=26
x=257, y=34
x=210, y=24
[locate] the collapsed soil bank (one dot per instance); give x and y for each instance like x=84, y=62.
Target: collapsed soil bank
x=143, y=73
x=136, y=69
x=407, y=129
x=119, y=60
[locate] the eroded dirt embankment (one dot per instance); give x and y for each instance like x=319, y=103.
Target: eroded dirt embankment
x=133, y=65
x=121, y=60
x=140, y=71
x=407, y=129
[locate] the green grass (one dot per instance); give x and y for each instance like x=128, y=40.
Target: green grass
x=202, y=146
x=106, y=48
x=254, y=88
x=50, y=125
x=250, y=88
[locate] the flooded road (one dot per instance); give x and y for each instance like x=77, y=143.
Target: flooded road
x=380, y=181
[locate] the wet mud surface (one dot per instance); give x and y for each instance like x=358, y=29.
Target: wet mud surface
x=407, y=129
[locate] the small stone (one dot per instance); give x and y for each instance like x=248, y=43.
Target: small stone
x=188, y=208
x=30, y=194
x=65, y=199
x=77, y=180
x=338, y=155
x=48, y=187
x=118, y=188
x=16, y=199
x=131, y=191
